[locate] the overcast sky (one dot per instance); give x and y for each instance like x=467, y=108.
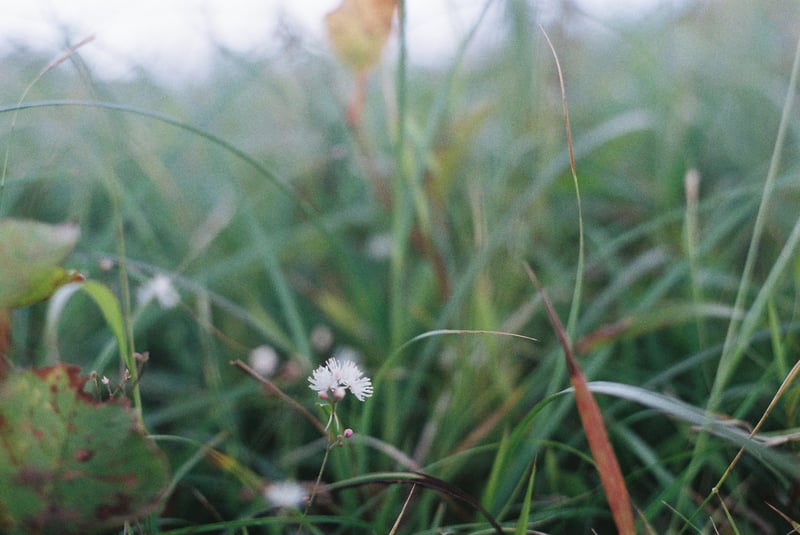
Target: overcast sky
x=174, y=38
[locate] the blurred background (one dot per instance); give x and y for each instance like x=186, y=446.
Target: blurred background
x=206, y=146
x=176, y=41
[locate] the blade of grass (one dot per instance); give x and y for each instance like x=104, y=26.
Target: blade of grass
x=522, y=521
x=578, y=289
x=270, y=386
x=403, y=510
x=592, y=421
x=758, y=446
x=115, y=319
x=61, y=58
x=735, y=341
x=401, y=200
x=422, y=480
x=778, y=395
x=795, y=524
x=286, y=297
x=691, y=243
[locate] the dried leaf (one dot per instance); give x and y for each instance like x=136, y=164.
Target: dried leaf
x=358, y=31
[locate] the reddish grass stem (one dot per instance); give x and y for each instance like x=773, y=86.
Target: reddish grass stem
x=592, y=420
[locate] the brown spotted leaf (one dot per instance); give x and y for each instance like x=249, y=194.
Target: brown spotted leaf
x=68, y=463
x=359, y=29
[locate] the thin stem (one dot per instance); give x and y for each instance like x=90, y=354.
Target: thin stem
x=331, y=443
x=52, y=65
x=269, y=385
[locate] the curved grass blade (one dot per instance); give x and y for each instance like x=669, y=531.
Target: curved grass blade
x=109, y=306
x=422, y=480
x=758, y=446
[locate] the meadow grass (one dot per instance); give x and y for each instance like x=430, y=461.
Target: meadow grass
x=404, y=240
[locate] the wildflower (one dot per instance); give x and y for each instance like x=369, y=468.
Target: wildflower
x=160, y=288
x=337, y=377
x=106, y=264
x=285, y=494
x=264, y=360
x=380, y=246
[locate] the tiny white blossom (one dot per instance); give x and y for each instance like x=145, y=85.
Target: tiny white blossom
x=285, y=494
x=380, y=246
x=160, y=288
x=322, y=380
x=361, y=388
x=337, y=377
x=264, y=360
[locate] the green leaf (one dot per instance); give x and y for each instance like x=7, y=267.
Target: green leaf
x=69, y=463
x=109, y=306
x=30, y=254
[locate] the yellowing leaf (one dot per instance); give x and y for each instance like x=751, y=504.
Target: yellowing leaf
x=359, y=29
x=29, y=256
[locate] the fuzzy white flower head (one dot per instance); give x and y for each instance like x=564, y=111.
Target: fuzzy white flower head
x=264, y=360
x=337, y=377
x=380, y=246
x=161, y=289
x=285, y=494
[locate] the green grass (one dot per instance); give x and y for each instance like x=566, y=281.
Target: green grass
x=254, y=195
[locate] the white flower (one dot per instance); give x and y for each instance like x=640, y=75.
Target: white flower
x=322, y=380
x=337, y=377
x=264, y=360
x=285, y=494
x=380, y=246
x=160, y=288
x=361, y=388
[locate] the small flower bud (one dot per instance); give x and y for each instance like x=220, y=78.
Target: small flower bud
x=348, y=433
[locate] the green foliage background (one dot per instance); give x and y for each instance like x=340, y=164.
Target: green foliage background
x=265, y=248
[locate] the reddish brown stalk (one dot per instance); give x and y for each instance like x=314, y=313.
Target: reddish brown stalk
x=270, y=386
x=592, y=421
x=61, y=58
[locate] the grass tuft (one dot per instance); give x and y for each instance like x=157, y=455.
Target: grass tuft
x=287, y=233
